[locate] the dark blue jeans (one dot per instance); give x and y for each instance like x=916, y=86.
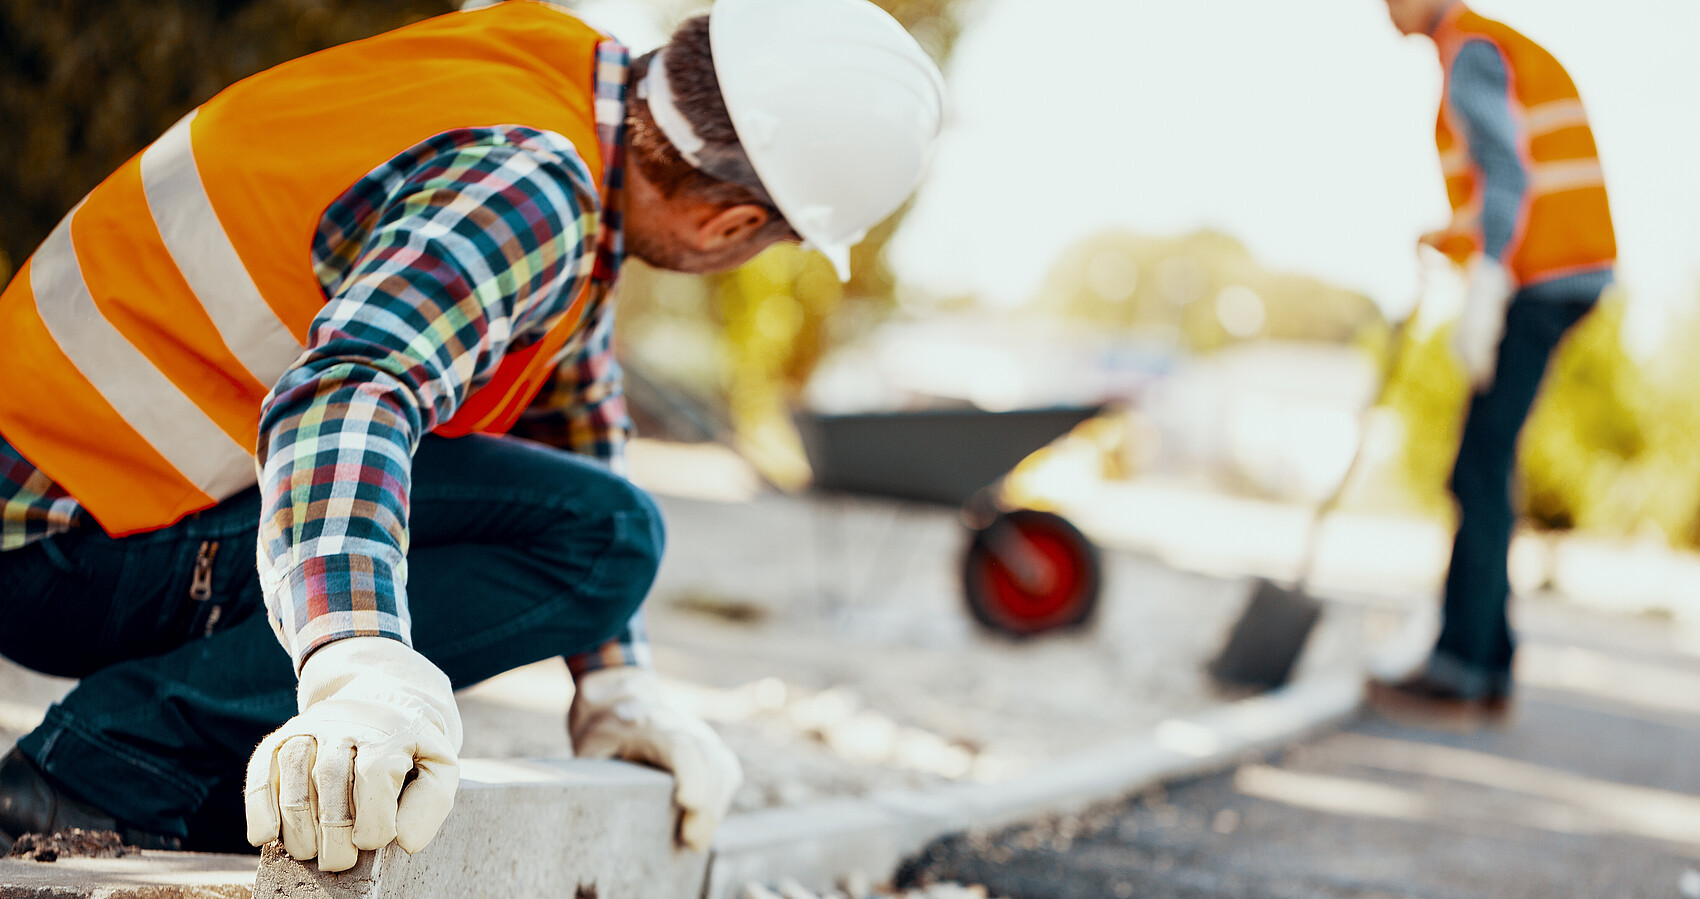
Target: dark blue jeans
x=1474, y=651
x=519, y=552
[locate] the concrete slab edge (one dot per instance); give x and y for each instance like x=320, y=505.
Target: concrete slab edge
x=820, y=844
x=536, y=827
x=611, y=808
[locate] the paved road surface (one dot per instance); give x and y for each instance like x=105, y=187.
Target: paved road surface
x=1594, y=790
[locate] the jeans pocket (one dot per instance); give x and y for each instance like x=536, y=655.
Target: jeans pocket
x=26, y=572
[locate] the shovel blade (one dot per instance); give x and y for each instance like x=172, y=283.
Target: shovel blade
x=1266, y=641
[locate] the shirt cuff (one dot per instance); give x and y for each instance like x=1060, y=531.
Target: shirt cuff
x=327, y=598
x=613, y=654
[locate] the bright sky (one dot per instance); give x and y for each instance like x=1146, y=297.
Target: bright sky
x=1303, y=127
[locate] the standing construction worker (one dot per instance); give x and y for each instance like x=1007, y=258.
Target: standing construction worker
x=303, y=319
x=1532, y=227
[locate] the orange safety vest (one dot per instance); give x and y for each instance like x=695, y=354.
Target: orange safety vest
x=144, y=333
x=1565, y=226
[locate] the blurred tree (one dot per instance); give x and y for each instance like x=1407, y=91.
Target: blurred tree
x=84, y=84
x=1586, y=427
x=1608, y=448
x=1426, y=392
x=1667, y=477
x=1204, y=290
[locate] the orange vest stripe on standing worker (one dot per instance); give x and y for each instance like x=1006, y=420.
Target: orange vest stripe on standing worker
x=145, y=332
x=1564, y=226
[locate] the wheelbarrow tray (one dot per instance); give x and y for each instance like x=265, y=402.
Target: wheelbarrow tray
x=936, y=455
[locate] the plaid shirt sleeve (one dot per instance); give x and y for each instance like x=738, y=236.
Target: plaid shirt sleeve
x=434, y=265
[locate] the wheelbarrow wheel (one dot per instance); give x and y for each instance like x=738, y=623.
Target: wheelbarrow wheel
x=1030, y=572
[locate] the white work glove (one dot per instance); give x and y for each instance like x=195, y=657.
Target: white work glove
x=619, y=713
x=334, y=779
x=1482, y=323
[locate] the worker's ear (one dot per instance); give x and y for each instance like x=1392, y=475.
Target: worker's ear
x=730, y=226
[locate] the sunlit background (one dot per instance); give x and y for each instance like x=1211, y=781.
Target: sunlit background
x=1202, y=213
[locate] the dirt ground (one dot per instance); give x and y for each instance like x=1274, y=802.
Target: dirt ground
x=826, y=639
x=73, y=843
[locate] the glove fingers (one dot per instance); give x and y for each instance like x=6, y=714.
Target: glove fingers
x=378, y=776
x=692, y=789
x=426, y=802
x=603, y=744
x=333, y=781
x=706, y=769
x=259, y=796
x=705, y=776
x=696, y=829
x=381, y=802
x=297, y=808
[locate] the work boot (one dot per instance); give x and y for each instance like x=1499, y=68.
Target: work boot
x=30, y=803
x=1419, y=701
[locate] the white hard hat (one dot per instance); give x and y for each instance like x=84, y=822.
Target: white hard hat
x=835, y=106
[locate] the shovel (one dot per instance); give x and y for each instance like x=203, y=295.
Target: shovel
x=1268, y=637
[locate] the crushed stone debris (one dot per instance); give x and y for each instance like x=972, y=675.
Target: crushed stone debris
x=856, y=888
x=73, y=843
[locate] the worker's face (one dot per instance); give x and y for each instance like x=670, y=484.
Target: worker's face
x=1415, y=16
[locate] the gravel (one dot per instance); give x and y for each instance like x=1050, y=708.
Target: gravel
x=790, y=889
x=72, y=843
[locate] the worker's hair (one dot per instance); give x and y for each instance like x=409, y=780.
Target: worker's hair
x=696, y=92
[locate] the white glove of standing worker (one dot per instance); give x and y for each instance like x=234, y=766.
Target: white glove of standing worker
x=1482, y=323
x=619, y=713
x=333, y=779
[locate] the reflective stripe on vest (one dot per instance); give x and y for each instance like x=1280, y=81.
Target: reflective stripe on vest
x=146, y=331
x=1565, y=224
x=190, y=230
x=158, y=410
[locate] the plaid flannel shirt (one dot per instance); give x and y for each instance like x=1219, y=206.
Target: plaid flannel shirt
x=434, y=264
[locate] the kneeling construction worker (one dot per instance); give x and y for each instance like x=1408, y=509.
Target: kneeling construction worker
x=303, y=320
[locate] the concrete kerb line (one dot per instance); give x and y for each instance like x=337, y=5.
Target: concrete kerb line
x=820, y=844
x=537, y=827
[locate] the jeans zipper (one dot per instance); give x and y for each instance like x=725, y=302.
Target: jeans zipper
x=200, y=583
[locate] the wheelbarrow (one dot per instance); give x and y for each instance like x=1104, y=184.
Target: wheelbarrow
x=1025, y=572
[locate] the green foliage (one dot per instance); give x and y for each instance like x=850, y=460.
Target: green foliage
x=1205, y=289
x=1586, y=426
x=84, y=84
x=1608, y=448
x=1427, y=391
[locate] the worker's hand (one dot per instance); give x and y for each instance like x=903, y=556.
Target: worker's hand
x=619, y=713
x=1482, y=323
x=334, y=779
x=1434, y=240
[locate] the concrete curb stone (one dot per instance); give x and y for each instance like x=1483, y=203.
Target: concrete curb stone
x=604, y=829
x=821, y=844
x=575, y=828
